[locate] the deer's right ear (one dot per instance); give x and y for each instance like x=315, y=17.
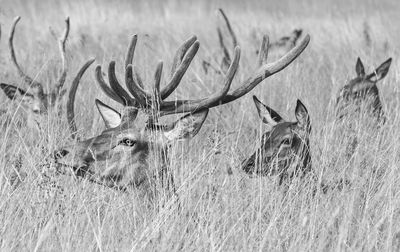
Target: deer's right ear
x=381, y=71
x=15, y=93
x=110, y=116
x=360, y=68
x=267, y=115
x=302, y=116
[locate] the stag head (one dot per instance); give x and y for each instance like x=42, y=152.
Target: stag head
x=363, y=91
x=120, y=153
x=34, y=99
x=284, y=149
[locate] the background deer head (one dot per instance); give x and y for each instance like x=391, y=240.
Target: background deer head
x=362, y=91
x=284, y=149
x=33, y=98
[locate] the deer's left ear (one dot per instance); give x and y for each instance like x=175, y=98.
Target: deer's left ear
x=381, y=71
x=110, y=116
x=187, y=126
x=302, y=116
x=267, y=115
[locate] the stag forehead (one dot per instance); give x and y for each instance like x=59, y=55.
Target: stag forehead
x=132, y=118
x=131, y=126
x=124, y=130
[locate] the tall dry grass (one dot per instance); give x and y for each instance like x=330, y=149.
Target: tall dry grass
x=217, y=211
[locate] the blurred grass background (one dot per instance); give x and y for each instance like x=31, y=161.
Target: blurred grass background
x=218, y=211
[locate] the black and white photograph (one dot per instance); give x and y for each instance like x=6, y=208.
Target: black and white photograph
x=208, y=125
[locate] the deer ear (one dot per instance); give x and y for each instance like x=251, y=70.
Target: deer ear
x=302, y=115
x=110, y=116
x=15, y=93
x=187, y=126
x=381, y=71
x=267, y=115
x=360, y=68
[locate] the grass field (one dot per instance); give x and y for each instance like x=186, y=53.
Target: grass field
x=218, y=211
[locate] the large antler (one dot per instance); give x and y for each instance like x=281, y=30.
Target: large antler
x=155, y=101
x=71, y=98
x=27, y=79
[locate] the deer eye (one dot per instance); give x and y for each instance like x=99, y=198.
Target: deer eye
x=286, y=141
x=127, y=142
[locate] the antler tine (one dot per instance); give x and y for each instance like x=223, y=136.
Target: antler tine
x=156, y=100
x=228, y=25
x=267, y=70
x=263, y=52
x=118, y=89
x=134, y=88
x=71, y=98
x=61, y=45
x=131, y=51
x=157, y=81
x=28, y=80
x=180, y=53
x=130, y=54
x=137, y=77
x=106, y=89
x=189, y=106
x=180, y=71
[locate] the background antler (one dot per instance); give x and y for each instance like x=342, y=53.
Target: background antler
x=61, y=45
x=226, y=60
x=71, y=98
x=26, y=78
x=226, y=57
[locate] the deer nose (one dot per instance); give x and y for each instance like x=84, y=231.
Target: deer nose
x=58, y=154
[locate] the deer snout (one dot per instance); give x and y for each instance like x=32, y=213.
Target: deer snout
x=71, y=158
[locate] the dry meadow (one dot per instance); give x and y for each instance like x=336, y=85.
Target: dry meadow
x=221, y=208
